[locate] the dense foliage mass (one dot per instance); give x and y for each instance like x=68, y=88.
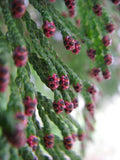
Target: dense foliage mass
x=32, y=35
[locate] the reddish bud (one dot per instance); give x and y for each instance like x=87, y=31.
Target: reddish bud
x=72, y=13
x=4, y=78
x=92, y=90
x=68, y=107
x=108, y=59
x=59, y=106
x=78, y=87
x=68, y=142
x=33, y=142
x=116, y=2
x=20, y=56
x=49, y=140
x=106, y=74
x=110, y=27
x=49, y=29
x=75, y=102
x=74, y=136
x=18, y=137
x=95, y=72
x=91, y=53
x=18, y=8
x=70, y=4
x=52, y=1
x=107, y=41
x=69, y=43
x=90, y=107
x=64, y=82
x=81, y=136
x=77, y=47
x=22, y=117
x=97, y=9
x=30, y=105
x=53, y=81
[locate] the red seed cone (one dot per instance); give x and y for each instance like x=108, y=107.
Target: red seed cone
x=49, y=29
x=92, y=90
x=95, y=72
x=68, y=142
x=68, y=107
x=30, y=105
x=77, y=47
x=53, y=81
x=64, y=82
x=49, y=140
x=78, y=87
x=116, y=2
x=97, y=9
x=18, y=8
x=22, y=117
x=75, y=102
x=59, y=106
x=91, y=53
x=107, y=41
x=4, y=78
x=20, y=56
x=69, y=43
x=106, y=74
x=110, y=27
x=90, y=107
x=108, y=59
x=33, y=142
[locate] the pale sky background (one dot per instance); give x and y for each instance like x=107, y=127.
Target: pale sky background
x=106, y=145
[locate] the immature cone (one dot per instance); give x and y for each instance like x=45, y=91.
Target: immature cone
x=107, y=41
x=53, y=81
x=92, y=90
x=97, y=9
x=64, y=14
x=75, y=102
x=106, y=74
x=108, y=59
x=18, y=137
x=78, y=21
x=74, y=136
x=110, y=27
x=72, y=13
x=68, y=107
x=49, y=29
x=33, y=142
x=30, y=105
x=69, y=43
x=70, y=4
x=116, y=2
x=20, y=56
x=4, y=78
x=95, y=72
x=59, y=106
x=18, y=8
x=22, y=117
x=52, y=1
x=78, y=87
x=68, y=142
x=91, y=53
x=49, y=140
x=90, y=107
x=64, y=82
x=81, y=136
x=77, y=47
